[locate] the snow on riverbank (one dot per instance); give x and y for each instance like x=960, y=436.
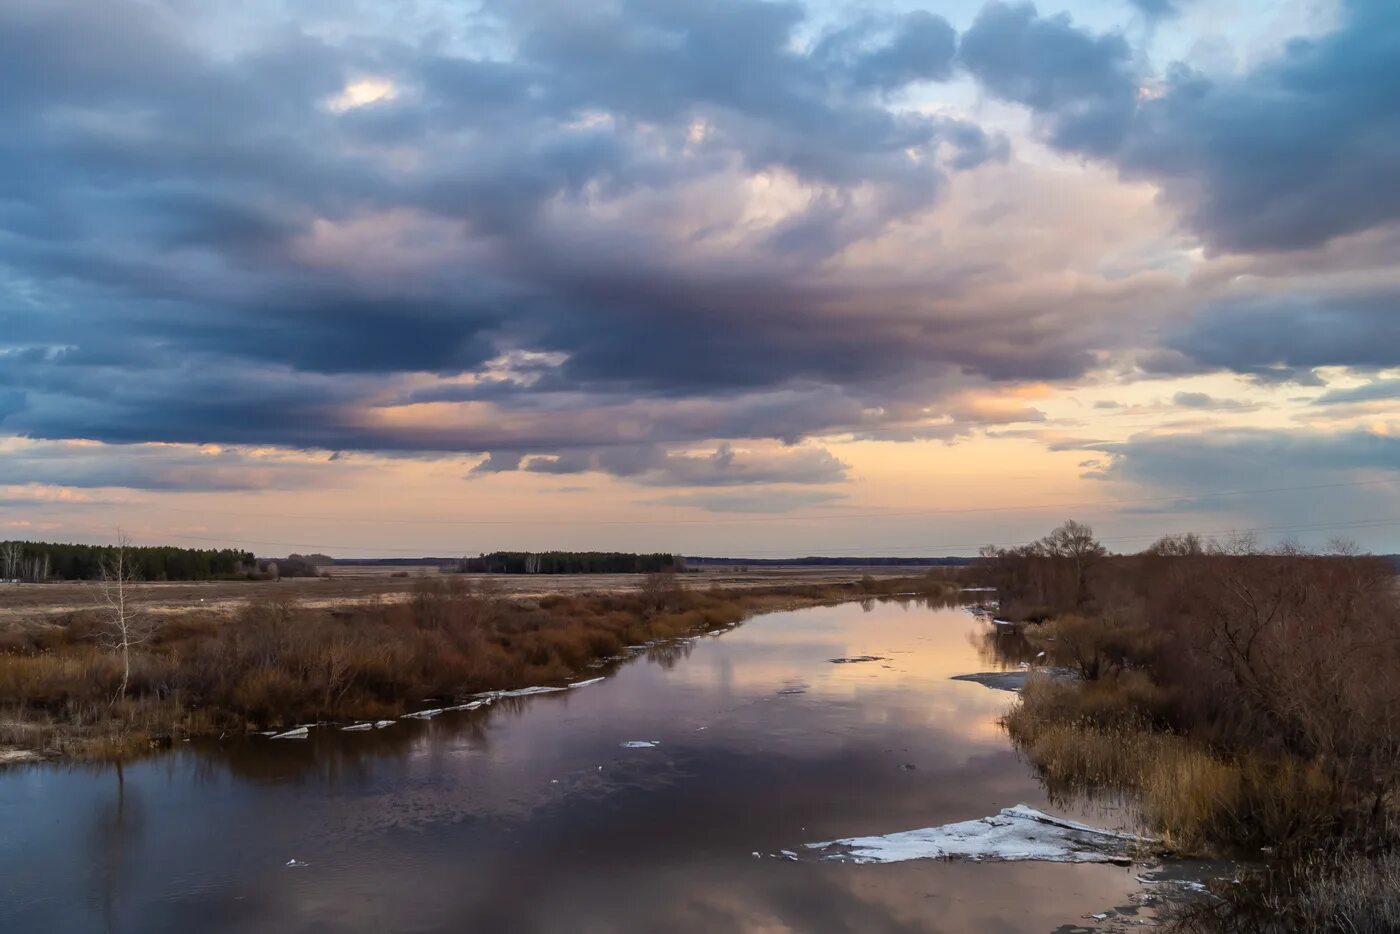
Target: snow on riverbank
x=1017, y=833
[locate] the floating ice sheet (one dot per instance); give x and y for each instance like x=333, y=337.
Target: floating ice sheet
x=640, y=743
x=1017, y=833
x=584, y=684
x=519, y=692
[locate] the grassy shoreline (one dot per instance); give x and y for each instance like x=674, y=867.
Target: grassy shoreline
x=276, y=664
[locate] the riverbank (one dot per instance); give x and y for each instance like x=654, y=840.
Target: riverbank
x=276, y=664
x=1244, y=704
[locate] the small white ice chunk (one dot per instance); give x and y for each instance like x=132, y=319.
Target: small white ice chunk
x=423, y=714
x=1017, y=833
x=640, y=743
x=295, y=863
x=300, y=732
x=357, y=726
x=381, y=724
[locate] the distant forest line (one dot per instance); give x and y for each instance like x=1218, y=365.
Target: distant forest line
x=41, y=561
x=568, y=562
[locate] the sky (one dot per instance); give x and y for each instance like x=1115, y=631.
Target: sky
x=727, y=277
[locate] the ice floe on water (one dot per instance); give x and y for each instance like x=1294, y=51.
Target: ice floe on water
x=295, y=863
x=584, y=684
x=518, y=692
x=852, y=659
x=640, y=743
x=357, y=726
x=1016, y=833
x=423, y=714
x=299, y=732
x=1015, y=680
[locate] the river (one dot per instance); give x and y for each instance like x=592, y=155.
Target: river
x=531, y=814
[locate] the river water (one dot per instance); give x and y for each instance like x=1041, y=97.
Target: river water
x=530, y=814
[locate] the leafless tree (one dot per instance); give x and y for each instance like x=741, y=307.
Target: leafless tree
x=660, y=590
x=1074, y=542
x=124, y=625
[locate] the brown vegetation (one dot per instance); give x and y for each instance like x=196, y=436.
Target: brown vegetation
x=1242, y=699
x=279, y=663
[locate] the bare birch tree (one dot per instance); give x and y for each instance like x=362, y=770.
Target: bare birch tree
x=10, y=556
x=124, y=625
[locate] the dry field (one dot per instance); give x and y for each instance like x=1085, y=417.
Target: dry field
x=355, y=584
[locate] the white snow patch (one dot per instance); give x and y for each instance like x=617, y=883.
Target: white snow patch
x=1017, y=833
x=584, y=684
x=640, y=743
x=300, y=732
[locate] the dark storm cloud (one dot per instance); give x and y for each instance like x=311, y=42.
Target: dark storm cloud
x=165, y=198
x=1282, y=338
x=199, y=241
x=1287, y=155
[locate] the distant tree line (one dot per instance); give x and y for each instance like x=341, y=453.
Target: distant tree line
x=568, y=562
x=40, y=561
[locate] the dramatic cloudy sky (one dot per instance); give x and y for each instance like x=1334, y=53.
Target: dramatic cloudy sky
x=716, y=276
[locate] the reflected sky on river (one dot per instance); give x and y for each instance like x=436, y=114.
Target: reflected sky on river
x=530, y=816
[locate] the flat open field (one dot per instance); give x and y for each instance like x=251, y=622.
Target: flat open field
x=353, y=584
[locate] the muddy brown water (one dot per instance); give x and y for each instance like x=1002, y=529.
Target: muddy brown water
x=530, y=815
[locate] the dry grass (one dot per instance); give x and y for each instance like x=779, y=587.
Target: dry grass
x=1114, y=737
x=1352, y=893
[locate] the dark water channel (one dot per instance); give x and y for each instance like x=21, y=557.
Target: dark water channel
x=529, y=815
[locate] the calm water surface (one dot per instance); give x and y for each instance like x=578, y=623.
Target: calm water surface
x=530, y=816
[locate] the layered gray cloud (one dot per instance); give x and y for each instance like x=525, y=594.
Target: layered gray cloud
x=183, y=223
x=155, y=468
x=654, y=466
x=1284, y=337
x=599, y=236
x=1319, y=482
x=1224, y=459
